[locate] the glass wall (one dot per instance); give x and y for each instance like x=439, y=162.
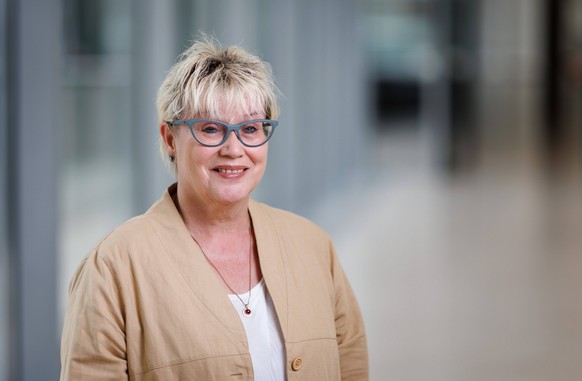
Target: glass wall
x=95, y=159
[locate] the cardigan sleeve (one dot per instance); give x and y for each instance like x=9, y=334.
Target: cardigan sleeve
x=350, y=333
x=93, y=341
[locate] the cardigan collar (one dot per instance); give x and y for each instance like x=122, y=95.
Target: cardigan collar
x=192, y=266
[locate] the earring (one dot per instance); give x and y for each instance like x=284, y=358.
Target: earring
x=172, y=158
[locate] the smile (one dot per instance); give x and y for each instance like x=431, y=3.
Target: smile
x=223, y=170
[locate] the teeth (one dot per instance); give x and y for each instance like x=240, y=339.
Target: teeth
x=221, y=170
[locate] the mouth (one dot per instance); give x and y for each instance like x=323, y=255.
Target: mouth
x=230, y=170
x=224, y=170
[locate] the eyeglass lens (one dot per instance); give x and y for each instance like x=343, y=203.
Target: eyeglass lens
x=253, y=133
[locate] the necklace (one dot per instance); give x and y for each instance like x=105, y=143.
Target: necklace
x=246, y=311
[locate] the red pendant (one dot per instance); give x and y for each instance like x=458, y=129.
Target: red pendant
x=247, y=312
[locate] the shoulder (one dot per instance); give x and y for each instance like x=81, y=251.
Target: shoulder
x=106, y=256
x=284, y=217
x=147, y=230
x=134, y=229
x=131, y=236
x=287, y=223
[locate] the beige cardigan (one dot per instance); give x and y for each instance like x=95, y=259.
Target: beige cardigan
x=145, y=305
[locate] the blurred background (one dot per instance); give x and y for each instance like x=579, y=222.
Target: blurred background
x=438, y=141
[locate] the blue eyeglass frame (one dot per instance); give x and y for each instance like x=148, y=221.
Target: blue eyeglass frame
x=230, y=128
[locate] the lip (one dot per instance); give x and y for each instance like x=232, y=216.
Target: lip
x=230, y=171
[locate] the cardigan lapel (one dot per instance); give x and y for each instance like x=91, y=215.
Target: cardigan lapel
x=204, y=285
x=191, y=265
x=272, y=259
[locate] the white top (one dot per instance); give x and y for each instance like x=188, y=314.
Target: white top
x=263, y=334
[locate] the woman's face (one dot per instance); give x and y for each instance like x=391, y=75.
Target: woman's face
x=226, y=174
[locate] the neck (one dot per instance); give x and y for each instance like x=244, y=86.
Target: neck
x=206, y=217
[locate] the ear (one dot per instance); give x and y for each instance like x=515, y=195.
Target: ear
x=168, y=138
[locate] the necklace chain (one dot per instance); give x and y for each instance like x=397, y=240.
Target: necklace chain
x=246, y=311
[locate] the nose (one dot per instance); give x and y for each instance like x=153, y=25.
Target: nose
x=232, y=146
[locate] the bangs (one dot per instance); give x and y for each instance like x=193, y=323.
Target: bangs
x=217, y=103
x=219, y=100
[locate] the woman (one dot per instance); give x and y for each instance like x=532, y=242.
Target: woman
x=209, y=284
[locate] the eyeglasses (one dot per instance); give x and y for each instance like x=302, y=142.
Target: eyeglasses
x=212, y=133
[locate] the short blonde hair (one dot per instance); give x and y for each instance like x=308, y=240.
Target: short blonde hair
x=208, y=79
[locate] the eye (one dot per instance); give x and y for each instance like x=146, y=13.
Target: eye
x=249, y=129
x=210, y=129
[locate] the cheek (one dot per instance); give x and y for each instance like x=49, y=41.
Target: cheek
x=182, y=146
x=192, y=160
x=261, y=155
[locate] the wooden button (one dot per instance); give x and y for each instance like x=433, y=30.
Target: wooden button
x=296, y=363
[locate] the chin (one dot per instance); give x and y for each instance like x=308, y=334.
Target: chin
x=232, y=196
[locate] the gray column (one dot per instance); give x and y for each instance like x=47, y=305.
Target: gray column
x=33, y=53
x=156, y=45
x=4, y=264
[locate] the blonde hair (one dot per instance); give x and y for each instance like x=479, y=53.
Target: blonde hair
x=208, y=79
